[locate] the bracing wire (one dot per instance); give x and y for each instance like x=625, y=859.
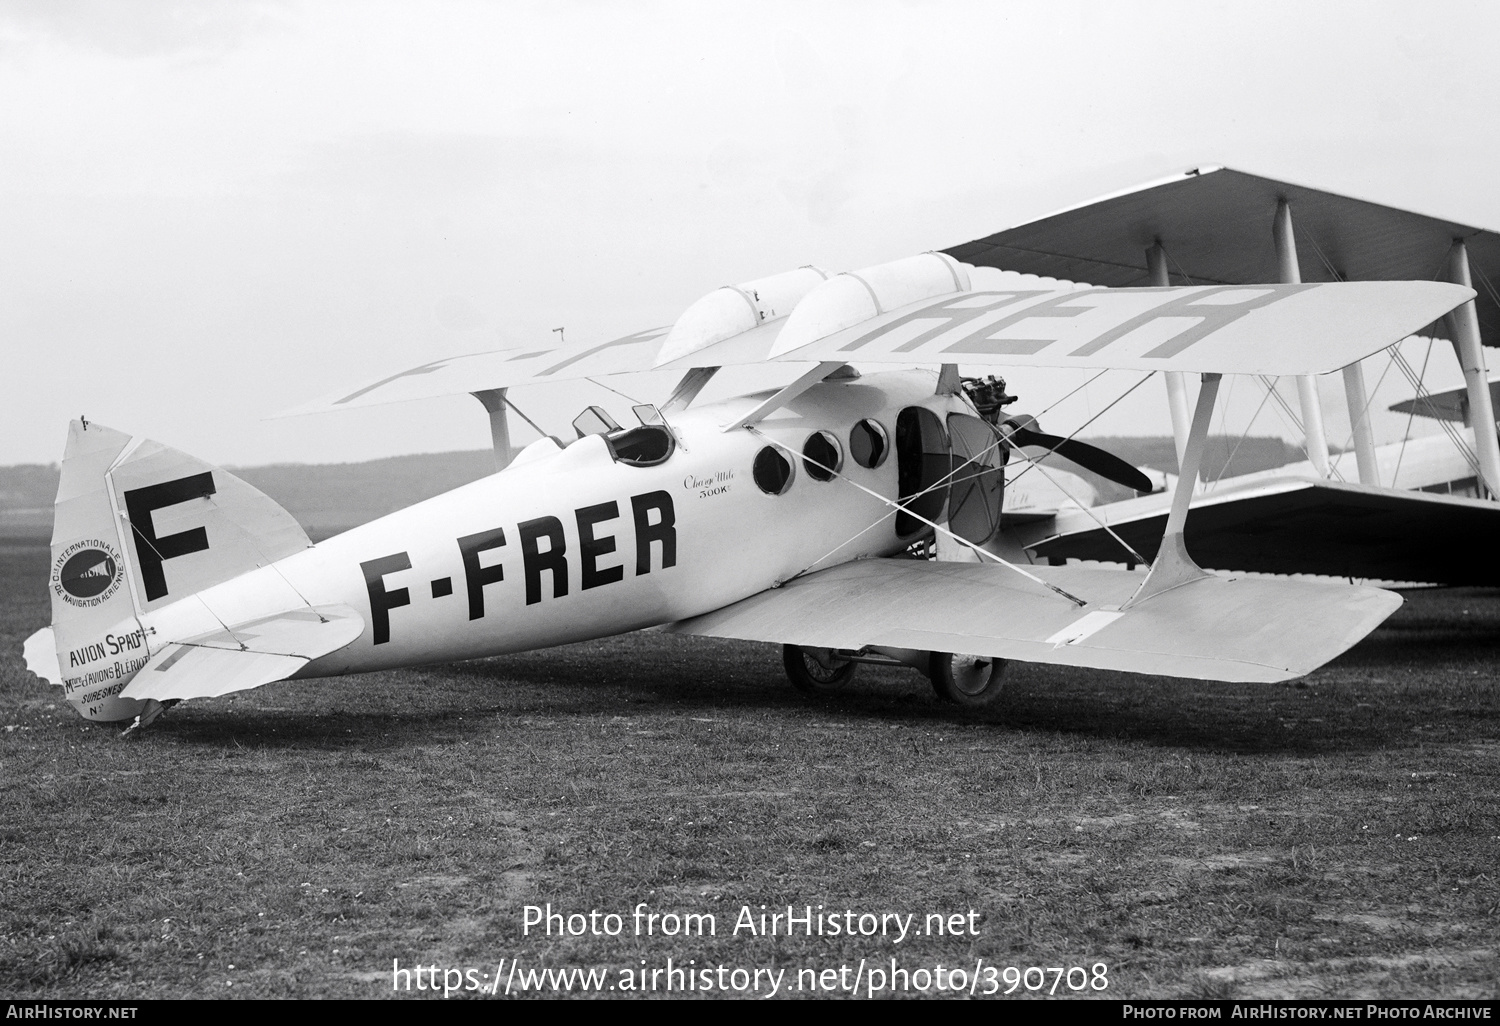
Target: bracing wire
x=941, y=482
x=1410, y=416
x=141, y=535
x=1117, y=399
x=616, y=391
x=1224, y=471
x=1425, y=398
x=1093, y=516
x=508, y=402
x=981, y=552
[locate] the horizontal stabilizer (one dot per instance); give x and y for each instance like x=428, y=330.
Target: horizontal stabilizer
x=245, y=656
x=1213, y=628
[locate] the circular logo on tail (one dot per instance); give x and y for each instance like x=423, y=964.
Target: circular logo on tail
x=86, y=573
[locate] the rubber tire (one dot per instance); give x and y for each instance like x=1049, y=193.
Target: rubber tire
x=811, y=677
x=962, y=680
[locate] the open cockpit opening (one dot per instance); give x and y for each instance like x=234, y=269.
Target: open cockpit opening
x=648, y=445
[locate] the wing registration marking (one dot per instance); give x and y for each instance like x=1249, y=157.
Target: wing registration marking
x=1164, y=321
x=627, y=340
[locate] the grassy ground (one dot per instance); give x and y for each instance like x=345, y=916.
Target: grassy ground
x=1337, y=837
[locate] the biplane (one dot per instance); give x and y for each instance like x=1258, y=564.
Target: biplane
x=1396, y=514
x=804, y=515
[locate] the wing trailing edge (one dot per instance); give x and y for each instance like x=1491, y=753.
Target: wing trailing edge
x=1212, y=628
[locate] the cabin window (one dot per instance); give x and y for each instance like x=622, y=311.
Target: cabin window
x=822, y=457
x=869, y=444
x=772, y=471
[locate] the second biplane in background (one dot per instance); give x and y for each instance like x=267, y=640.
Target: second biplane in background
x=1414, y=508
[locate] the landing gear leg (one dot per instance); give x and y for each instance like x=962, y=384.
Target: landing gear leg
x=815, y=670
x=973, y=682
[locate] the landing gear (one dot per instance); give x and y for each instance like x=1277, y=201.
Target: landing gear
x=814, y=670
x=973, y=682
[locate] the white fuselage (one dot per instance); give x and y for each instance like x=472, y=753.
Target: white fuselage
x=639, y=545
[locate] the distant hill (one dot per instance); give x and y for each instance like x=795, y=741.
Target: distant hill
x=331, y=497
x=26, y=494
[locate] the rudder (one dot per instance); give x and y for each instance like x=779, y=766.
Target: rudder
x=137, y=526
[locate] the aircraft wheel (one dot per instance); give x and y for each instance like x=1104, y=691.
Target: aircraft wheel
x=970, y=681
x=812, y=670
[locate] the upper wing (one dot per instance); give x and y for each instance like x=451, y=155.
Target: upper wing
x=1295, y=525
x=1213, y=628
x=504, y=368
x=733, y=325
x=1226, y=329
x=924, y=309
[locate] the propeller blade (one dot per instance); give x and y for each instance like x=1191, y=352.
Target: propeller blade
x=1089, y=457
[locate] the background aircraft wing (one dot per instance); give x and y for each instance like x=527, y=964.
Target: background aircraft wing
x=1297, y=525
x=1215, y=224
x=1213, y=628
x=1452, y=404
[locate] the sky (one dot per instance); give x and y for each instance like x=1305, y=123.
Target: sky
x=212, y=212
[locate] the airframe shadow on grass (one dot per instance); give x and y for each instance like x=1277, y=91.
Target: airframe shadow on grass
x=1440, y=642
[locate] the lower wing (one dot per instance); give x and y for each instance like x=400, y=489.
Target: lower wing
x=1211, y=628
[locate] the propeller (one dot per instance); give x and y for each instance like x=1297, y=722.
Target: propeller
x=990, y=399
x=1022, y=430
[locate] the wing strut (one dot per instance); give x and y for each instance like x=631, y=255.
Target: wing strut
x=688, y=388
x=1177, y=400
x=787, y=394
x=1289, y=272
x=494, y=403
x=1463, y=325
x=1173, y=565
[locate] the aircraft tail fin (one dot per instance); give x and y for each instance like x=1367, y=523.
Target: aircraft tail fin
x=137, y=526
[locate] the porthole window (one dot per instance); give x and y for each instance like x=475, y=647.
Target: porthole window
x=869, y=444
x=822, y=457
x=772, y=471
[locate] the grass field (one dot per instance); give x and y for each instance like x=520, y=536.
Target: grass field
x=1335, y=837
